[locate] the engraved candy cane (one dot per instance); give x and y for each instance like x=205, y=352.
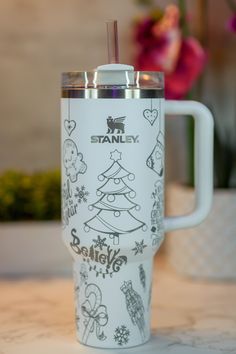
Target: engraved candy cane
x=96, y=314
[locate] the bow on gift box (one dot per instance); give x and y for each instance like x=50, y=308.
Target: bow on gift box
x=95, y=313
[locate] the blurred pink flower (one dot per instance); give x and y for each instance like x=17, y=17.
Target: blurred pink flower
x=169, y=20
x=190, y=63
x=189, y=67
x=231, y=24
x=143, y=32
x=162, y=48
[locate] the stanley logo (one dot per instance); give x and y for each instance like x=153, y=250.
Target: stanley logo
x=115, y=133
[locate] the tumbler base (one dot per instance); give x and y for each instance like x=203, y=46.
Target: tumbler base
x=113, y=312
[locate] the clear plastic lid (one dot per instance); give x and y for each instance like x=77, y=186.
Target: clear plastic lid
x=113, y=78
x=113, y=84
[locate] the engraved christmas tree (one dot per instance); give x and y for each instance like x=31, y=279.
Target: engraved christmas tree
x=114, y=216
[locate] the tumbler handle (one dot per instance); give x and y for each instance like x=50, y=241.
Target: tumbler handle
x=203, y=162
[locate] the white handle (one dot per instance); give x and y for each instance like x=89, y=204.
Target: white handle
x=203, y=162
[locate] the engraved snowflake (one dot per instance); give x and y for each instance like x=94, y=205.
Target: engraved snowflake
x=121, y=335
x=139, y=247
x=100, y=242
x=81, y=194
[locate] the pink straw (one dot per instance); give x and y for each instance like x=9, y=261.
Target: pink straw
x=112, y=42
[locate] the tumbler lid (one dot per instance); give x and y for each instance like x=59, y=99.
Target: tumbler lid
x=113, y=80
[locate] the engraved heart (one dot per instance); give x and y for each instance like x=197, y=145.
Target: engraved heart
x=150, y=115
x=69, y=126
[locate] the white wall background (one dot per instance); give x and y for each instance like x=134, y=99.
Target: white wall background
x=39, y=40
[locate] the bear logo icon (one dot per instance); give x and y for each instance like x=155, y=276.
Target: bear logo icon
x=115, y=124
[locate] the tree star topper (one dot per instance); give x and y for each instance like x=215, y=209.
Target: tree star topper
x=115, y=155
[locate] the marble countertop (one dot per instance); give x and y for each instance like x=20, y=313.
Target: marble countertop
x=188, y=317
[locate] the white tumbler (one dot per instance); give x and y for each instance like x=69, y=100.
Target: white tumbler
x=112, y=194
x=113, y=163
